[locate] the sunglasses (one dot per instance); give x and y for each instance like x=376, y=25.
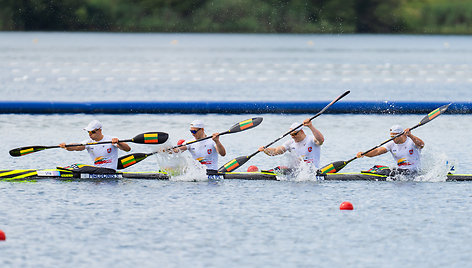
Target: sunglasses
x=93, y=131
x=293, y=134
x=194, y=131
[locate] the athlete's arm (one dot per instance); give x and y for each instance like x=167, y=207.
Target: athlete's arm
x=219, y=147
x=319, y=139
x=271, y=151
x=121, y=145
x=179, y=149
x=377, y=151
x=72, y=148
x=417, y=141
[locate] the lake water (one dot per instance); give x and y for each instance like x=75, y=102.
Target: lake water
x=181, y=223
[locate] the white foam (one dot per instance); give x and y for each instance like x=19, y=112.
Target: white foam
x=435, y=167
x=180, y=166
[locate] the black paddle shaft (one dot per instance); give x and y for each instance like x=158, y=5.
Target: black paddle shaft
x=429, y=117
x=239, y=161
x=338, y=165
x=131, y=159
x=313, y=117
x=144, y=138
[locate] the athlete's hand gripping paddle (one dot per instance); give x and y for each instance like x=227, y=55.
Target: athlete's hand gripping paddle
x=338, y=165
x=239, y=161
x=131, y=159
x=144, y=138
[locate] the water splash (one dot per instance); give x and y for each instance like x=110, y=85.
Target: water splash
x=180, y=166
x=435, y=167
x=302, y=171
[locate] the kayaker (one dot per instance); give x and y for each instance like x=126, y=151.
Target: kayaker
x=103, y=155
x=405, y=149
x=306, y=147
x=206, y=152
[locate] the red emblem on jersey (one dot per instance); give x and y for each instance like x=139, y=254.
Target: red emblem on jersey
x=209, y=151
x=411, y=151
x=310, y=149
x=109, y=150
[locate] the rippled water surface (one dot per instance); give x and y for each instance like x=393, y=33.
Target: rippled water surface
x=183, y=223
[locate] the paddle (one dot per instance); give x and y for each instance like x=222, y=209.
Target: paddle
x=144, y=138
x=337, y=166
x=239, y=161
x=131, y=159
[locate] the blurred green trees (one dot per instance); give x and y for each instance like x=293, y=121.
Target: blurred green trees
x=249, y=16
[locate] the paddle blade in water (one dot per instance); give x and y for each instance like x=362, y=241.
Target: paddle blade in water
x=246, y=124
x=129, y=160
x=333, y=167
x=151, y=138
x=233, y=164
x=26, y=150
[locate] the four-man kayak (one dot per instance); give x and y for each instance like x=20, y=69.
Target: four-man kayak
x=64, y=174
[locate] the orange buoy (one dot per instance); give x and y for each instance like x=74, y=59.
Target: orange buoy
x=252, y=169
x=346, y=206
x=2, y=236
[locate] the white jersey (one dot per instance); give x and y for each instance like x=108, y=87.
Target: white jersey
x=205, y=153
x=406, y=154
x=307, y=150
x=103, y=155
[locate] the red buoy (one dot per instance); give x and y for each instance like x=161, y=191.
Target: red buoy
x=252, y=169
x=2, y=236
x=180, y=142
x=346, y=206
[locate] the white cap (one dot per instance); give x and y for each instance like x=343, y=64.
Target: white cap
x=197, y=124
x=95, y=124
x=296, y=126
x=396, y=129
